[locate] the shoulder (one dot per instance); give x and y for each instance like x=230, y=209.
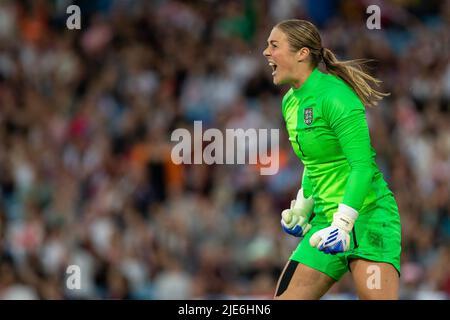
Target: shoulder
x=339, y=100
x=338, y=96
x=334, y=88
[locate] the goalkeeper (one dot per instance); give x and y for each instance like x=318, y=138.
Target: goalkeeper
x=356, y=224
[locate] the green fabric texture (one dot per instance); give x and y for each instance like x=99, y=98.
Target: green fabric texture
x=328, y=131
x=376, y=237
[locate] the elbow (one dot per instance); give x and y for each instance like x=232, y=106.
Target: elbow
x=365, y=169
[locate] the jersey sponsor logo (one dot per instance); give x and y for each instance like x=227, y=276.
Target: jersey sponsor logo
x=308, y=116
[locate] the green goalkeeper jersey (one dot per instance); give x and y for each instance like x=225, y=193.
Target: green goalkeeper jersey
x=328, y=131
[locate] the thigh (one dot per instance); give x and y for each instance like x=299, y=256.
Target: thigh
x=376, y=235
x=375, y=280
x=301, y=282
x=334, y=266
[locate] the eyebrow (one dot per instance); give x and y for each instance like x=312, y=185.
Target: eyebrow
x=272, y=41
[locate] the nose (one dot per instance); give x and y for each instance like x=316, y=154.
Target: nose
x=266, y=52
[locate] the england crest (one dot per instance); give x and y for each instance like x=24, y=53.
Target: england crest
x=308, y=116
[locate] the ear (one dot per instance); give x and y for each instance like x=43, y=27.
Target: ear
x=302, y=54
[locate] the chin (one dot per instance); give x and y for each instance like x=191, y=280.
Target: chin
x=276, y=81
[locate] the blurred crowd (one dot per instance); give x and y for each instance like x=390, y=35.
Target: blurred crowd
x=86, y=117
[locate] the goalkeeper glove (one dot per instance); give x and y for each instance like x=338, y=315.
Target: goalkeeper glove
x=335, y=239
x=295, y=220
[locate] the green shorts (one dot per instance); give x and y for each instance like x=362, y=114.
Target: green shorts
x=376, y=236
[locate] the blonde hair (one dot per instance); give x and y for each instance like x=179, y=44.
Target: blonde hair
x=302, y=33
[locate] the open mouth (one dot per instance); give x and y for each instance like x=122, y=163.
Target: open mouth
x=274, y=68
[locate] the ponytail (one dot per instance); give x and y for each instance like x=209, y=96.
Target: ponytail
x=351, y=71
x=302, y=33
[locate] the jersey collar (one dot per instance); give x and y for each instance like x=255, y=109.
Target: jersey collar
x=310, y=82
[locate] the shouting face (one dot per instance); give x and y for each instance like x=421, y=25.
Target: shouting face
x=281, y=58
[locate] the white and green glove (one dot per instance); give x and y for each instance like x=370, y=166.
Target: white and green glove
x=336, y=238
x=295, y=220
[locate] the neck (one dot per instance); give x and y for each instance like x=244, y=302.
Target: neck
x=302, y=76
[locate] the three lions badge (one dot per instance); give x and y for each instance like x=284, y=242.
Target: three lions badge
x=308, y=116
